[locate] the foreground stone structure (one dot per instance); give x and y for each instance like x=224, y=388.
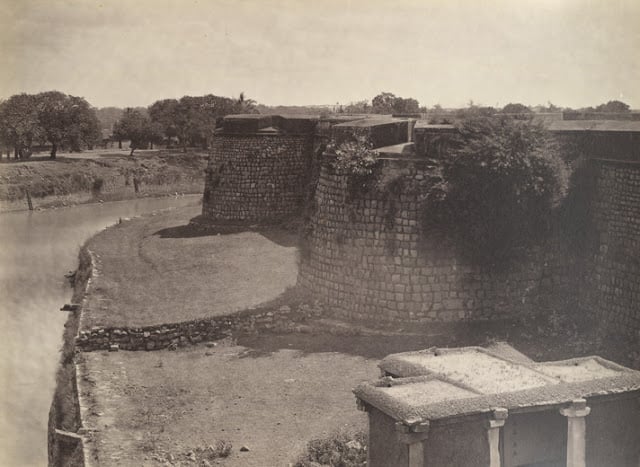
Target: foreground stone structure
x=472, y=407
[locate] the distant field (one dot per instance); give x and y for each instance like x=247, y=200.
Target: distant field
x=100, y=174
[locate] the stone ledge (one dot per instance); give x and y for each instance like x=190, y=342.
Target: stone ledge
x=171, y=336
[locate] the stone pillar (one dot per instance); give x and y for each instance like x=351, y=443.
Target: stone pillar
x=576, y=429
x=413, y=436
x=498, y=417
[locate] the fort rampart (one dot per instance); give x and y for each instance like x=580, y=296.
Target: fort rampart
x=370, y=257
x=611, y=274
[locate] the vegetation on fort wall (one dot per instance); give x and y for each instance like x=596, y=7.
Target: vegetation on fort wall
x=359, y=162
x=501, y=181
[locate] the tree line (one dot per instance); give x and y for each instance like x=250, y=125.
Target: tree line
x=49, y=117
x=70, y=122
x=188, y=121
x=65, y=121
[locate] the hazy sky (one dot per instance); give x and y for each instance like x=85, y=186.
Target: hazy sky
x=128, y=53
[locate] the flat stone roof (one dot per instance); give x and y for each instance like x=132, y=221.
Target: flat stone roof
x=429, y=126
x=595, y=125
x=269, y=124
x=473, y=380
x=371, y=122
x=627, y=126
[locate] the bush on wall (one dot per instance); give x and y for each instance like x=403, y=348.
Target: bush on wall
x=501, y=181
x=358, y=161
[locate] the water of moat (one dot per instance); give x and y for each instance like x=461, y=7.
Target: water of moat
x=36, y=250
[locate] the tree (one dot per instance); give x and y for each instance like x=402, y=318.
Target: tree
x=501, y=181
x=516, y=109
x=19, y=123
x=135, y=126
x=613, y=107
x=406, y=106
x=192, y=119
x=245, y=106
x=360, y=107
x=66, y=120
x=164, y=114
x=383, y=103
x=388, y=103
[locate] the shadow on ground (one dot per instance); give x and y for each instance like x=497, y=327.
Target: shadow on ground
x=278, y=235
x=374, y=346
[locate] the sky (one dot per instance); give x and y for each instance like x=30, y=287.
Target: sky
x=572, y=53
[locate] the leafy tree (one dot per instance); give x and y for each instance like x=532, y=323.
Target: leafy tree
x=383, y=103
x=360, y=107
x=135, y=126
x=388, y=103
x=49, y=116
x=19, y=123
x=108, y=116
x=613, y=107
x=66, y=120
x=406, y=105
x=516, y=109
x=192, y=119
x=164, y=115
x=501, y=181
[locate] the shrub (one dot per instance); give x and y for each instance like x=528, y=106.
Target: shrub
x=501, y=181
x=342, y=449
x=98, y=183
x=358, y=162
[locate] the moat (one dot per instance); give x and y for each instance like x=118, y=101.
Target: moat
x=42, y=247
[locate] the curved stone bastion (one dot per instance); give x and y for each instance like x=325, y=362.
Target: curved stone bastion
x=369, y=257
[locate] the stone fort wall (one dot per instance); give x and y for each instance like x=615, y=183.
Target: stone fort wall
x=369, y=258
x=611, y=273
x=252, y=177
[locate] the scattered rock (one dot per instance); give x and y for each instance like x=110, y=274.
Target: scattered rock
x=244, y=448
x=211, y=344
x=354, y=445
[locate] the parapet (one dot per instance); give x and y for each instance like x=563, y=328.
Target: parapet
x=432, y=140
x=269, y=124
x=378, y=131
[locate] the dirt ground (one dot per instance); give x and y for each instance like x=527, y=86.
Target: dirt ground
x=154, y=270
x=157, y=408
x=269, y=393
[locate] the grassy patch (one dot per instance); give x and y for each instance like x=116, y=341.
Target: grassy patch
x=342, y=449
x=152, y=271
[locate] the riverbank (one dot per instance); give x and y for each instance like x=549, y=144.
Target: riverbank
x=99, y=176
